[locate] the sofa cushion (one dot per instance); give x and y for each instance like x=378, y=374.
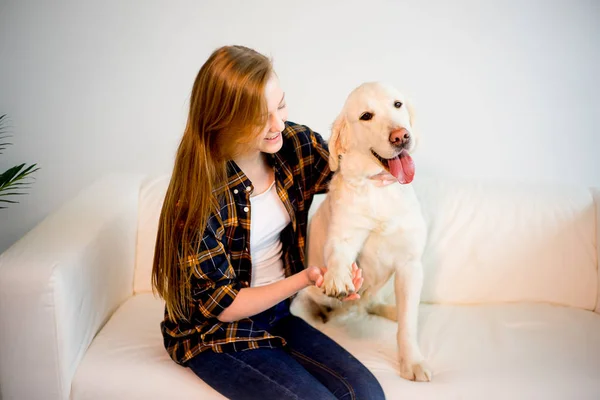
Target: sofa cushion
x=516, y=351
x=504, y=242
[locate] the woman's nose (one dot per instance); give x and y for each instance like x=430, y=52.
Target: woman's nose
x=277, y=124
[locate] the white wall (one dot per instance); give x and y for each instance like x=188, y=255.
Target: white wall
x=504, y=89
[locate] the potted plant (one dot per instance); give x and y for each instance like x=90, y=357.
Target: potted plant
x=13, y=180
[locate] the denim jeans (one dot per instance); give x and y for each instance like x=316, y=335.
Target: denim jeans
x=311, y=366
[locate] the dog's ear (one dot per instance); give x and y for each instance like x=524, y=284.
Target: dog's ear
x=337, y=142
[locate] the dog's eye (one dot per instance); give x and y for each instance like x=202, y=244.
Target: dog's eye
x=398, y=104
x=366, y=116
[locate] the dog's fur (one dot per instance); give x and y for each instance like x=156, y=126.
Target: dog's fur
x=382, y=228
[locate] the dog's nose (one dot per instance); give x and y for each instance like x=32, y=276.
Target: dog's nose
x=399, y=136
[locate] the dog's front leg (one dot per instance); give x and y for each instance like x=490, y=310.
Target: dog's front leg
x=341, y=250
x=408, y=284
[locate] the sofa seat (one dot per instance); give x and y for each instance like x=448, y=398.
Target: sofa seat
x=493, y=351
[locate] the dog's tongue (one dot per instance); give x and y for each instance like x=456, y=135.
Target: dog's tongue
x=402, y=167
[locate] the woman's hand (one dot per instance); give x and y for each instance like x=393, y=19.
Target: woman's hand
x=316, y=275
x=384, y=178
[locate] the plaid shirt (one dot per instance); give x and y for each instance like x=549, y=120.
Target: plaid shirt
x=223, y=265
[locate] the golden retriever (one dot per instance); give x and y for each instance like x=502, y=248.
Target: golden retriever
x=379, y=227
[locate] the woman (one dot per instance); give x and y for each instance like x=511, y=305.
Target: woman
x=229, y=251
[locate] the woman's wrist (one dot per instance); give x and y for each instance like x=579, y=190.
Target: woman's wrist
x=301, y=279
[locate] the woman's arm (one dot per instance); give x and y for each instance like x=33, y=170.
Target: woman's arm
x=251, y=301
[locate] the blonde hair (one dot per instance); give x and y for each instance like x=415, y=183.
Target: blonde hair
x=227, y=110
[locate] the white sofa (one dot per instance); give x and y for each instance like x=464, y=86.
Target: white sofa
x=510, y=299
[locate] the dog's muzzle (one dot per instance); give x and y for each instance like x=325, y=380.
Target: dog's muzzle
x=400, y=138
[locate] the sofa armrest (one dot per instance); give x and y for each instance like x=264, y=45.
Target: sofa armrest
x=596, y=196
x=61, y=282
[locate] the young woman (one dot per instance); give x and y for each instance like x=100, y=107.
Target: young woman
x=229, y=254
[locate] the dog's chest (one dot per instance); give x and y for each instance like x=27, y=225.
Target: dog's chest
x=392, y=209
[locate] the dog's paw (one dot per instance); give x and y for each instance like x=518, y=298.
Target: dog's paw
x=415, y=370
x=338, y=285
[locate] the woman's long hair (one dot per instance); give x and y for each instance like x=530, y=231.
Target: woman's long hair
x=227, y=110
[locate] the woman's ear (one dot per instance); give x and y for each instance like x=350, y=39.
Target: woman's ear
x=337, y=142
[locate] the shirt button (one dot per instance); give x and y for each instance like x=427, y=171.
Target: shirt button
x=248, y=188
x=235, y=191
x=246, y=209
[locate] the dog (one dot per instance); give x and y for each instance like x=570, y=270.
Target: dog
x=379, y=227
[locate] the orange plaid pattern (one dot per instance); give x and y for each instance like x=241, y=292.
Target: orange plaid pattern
x=223, y=265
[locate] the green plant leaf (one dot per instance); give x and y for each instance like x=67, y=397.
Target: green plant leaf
x=3, y=136
x=12, y=194
x=13, y=181
x=7, y=201
x=4, y=145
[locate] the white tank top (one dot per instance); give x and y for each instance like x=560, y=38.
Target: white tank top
x=267, y=220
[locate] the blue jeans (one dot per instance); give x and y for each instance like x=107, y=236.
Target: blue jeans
x=312, y=366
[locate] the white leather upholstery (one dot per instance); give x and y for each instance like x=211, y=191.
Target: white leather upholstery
x=522, y=262
x=60, y=283
x=129, y=356
x=504, y=351
x=508, y=242
x=152, y=195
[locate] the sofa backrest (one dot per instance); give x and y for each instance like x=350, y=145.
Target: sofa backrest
x=486, y=242
x=152, y=195
x=509, y=243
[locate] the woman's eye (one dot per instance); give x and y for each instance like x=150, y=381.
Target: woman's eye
x=367, y=116
x=397, y=104
x=281, y=107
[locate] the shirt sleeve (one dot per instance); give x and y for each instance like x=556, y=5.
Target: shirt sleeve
x=321, y=173
x=214, y=283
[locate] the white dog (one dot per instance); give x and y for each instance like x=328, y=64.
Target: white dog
x=379, y=227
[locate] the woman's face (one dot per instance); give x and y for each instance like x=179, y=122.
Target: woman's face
x=270, y=140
